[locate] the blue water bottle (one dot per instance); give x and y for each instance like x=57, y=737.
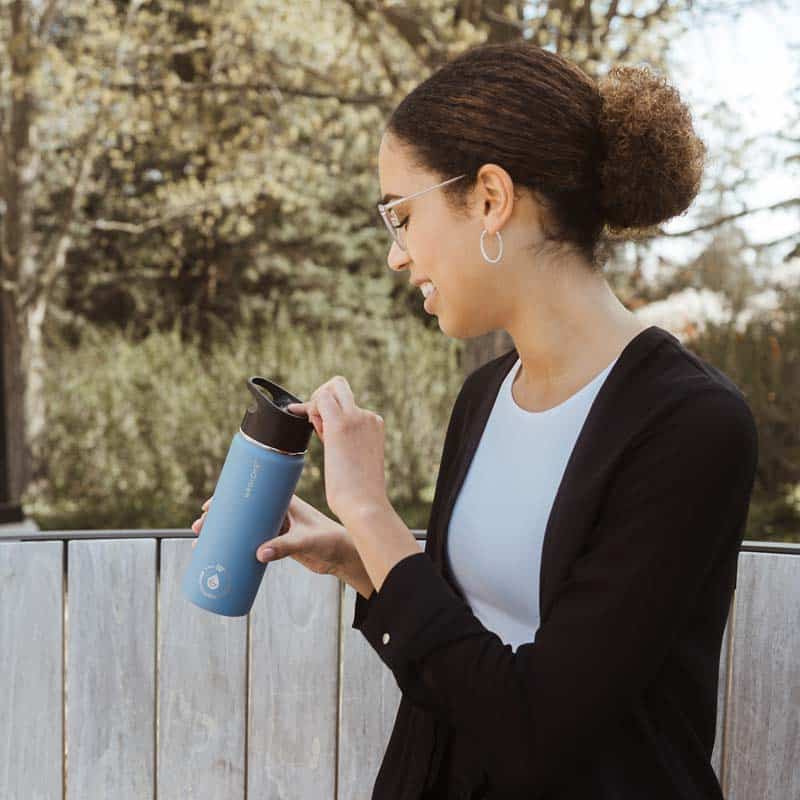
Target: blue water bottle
x=251, y=498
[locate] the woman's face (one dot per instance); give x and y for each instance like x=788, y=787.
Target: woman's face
x=443, y=248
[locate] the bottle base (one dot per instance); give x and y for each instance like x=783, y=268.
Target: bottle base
x=215, y=610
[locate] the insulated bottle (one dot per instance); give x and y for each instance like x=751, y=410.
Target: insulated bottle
x=250, y=501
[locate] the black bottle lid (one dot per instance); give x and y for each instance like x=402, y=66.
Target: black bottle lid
x=269, y=423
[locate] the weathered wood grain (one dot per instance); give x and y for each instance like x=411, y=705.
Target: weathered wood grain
x=294, y=679
x=370, y=698
x=722, y=690
x=202, y=691
x=31, y=657
x=762, y=743
x=166, y=699
x=110, y=677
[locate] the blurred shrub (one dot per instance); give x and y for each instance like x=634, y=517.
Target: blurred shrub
x=138, y=431
x=763, y=360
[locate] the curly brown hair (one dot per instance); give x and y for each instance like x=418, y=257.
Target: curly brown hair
x=606, y=159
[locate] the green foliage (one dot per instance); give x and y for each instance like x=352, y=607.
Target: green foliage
x=763, y=360
x=223, y=153
x=138, y=430
x=212, y=166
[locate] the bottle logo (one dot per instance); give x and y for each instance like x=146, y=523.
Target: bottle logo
x=253, y=473
x=215, y=581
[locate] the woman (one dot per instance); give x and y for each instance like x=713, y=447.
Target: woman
x=560, y=636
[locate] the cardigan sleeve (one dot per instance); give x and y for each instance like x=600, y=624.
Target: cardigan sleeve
x=676, y=508
x=363, y=605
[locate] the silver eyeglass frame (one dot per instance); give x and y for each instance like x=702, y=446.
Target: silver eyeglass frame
x=385, y=208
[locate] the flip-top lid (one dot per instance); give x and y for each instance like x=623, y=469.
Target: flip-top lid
x=268, y=422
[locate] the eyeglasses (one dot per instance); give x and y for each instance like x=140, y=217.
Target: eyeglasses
x=397, y=229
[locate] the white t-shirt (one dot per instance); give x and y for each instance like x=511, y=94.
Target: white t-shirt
x=496, y=531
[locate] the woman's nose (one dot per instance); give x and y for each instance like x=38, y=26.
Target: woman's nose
x=397, y=258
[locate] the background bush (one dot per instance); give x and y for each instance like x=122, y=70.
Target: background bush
x=138, y=430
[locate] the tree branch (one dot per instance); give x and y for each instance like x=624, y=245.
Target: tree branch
x=780, y=240
x=406, y=22
x=137, y=228
x=494, y=16
x=636, y=33
x=46, y=19
x=363, y=16
x=259, y=86
x=62, y=240
x=792, y=201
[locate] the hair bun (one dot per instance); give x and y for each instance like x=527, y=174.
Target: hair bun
x=654, y=160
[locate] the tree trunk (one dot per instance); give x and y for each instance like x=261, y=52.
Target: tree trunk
x=29, y=264
x=17, y=458
x=18, y=256
x=484, y=348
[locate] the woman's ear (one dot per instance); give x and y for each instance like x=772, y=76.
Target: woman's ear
x=496, y=195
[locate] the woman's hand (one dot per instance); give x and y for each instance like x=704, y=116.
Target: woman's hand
x=353, y=439
x=314, y=540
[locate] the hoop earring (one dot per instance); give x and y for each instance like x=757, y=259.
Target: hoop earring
x=483, y=252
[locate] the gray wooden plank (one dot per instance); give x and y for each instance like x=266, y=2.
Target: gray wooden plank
x=294, y=676
x=31, y=657
x=202, y=680
x=722, y=694
x=370, y=699
x=762, y=753
x=110, y=660
x=111, y=669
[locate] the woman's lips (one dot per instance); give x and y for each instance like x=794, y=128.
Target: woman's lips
x=430, y=298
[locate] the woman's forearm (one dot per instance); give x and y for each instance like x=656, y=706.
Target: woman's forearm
x=363, y=586
x=354, y=573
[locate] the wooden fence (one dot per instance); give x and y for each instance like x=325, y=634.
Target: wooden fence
x=114, y=685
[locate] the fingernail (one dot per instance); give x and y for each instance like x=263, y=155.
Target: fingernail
x=266, y=553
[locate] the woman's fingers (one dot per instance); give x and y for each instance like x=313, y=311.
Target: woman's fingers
x=198, y=523
x=276, y=548
x=311, y=410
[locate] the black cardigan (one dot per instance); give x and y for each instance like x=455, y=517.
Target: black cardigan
x=616, y=696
